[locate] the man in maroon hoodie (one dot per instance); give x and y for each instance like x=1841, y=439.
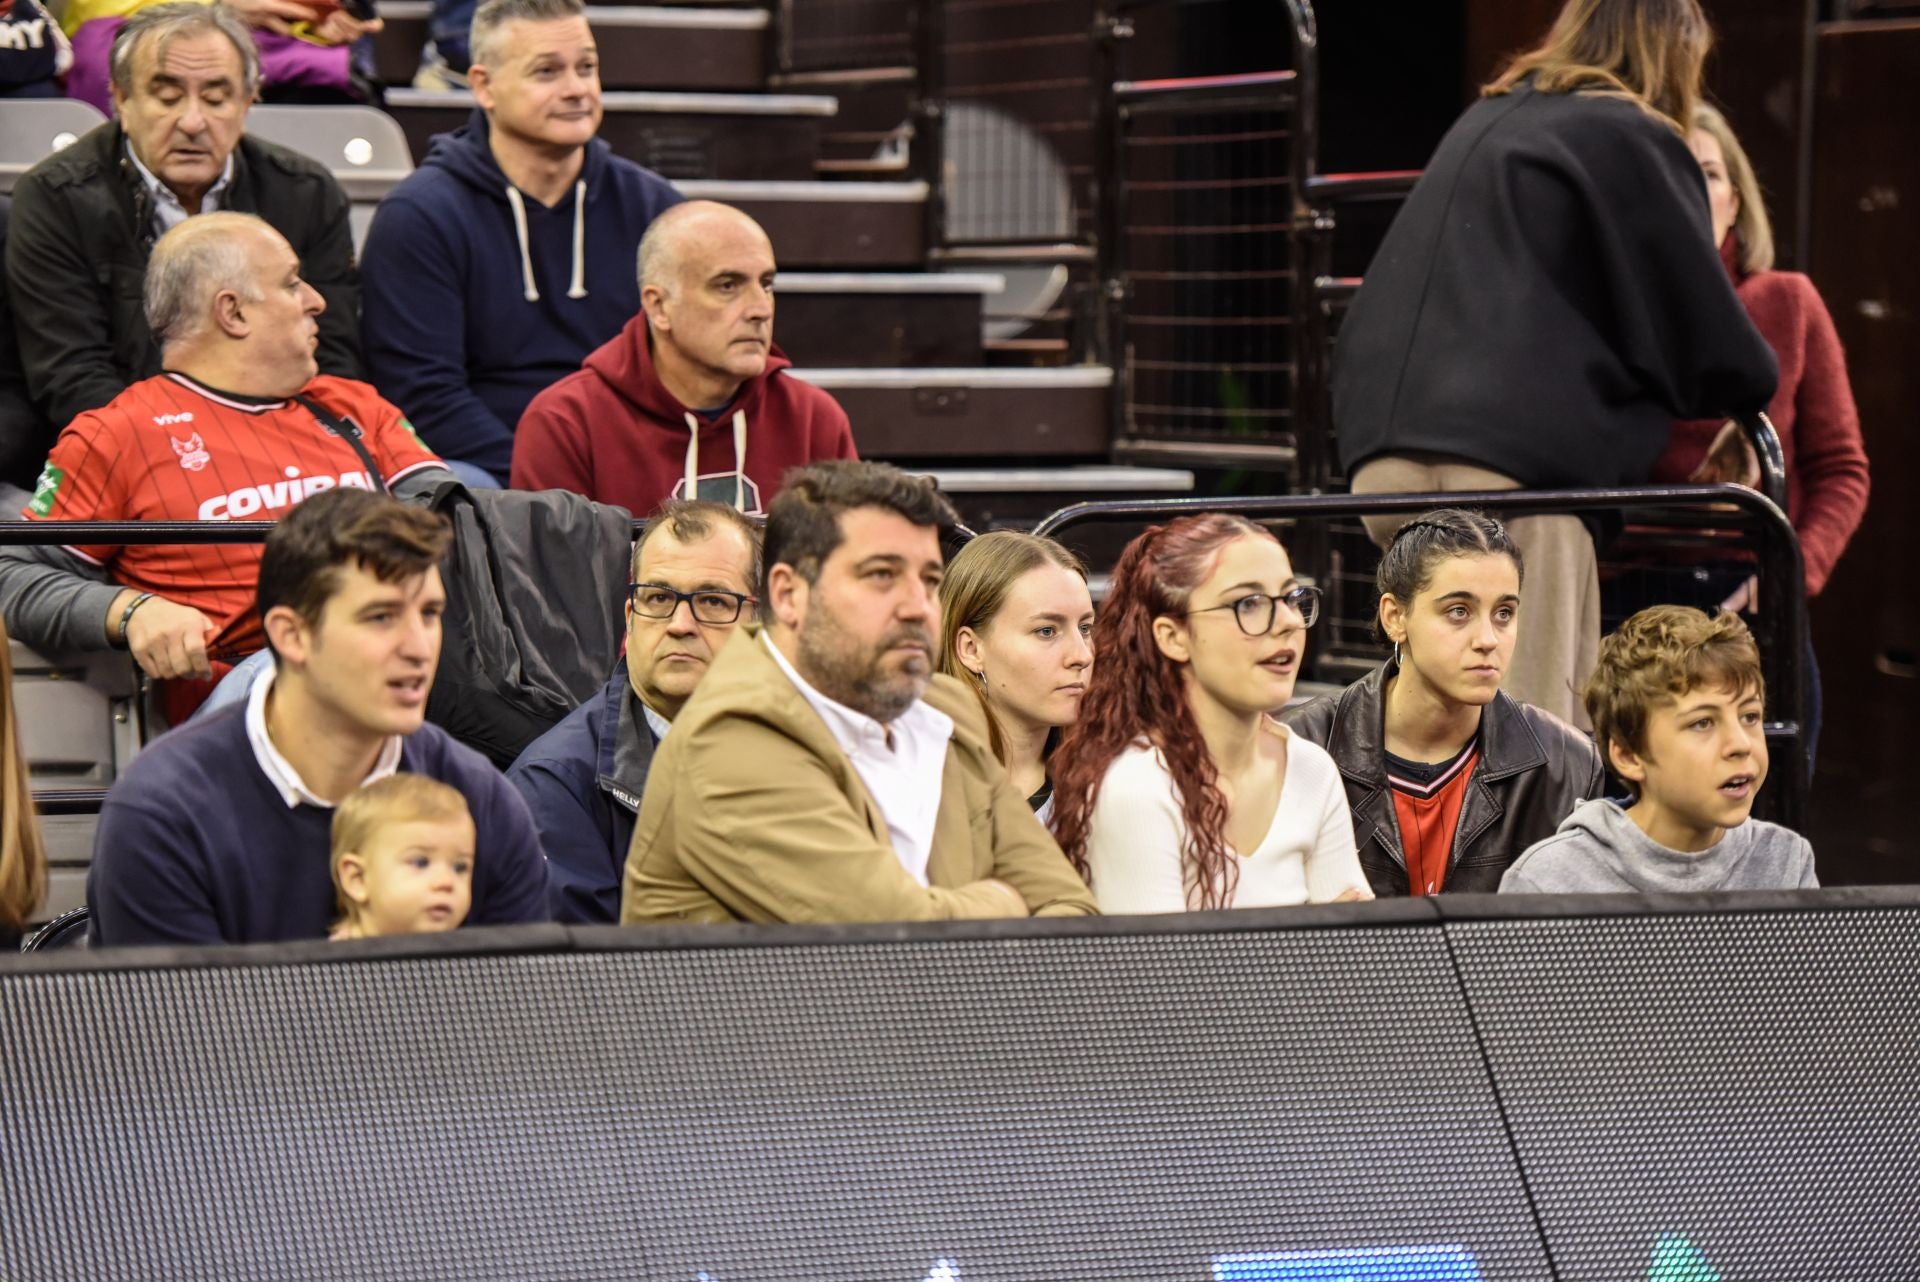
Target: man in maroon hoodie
x=690, y=400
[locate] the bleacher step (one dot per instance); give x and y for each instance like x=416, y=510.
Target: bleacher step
x=883, y=318
x=677, y=135
x=953, y=413
x=830, y=224
x=641, y=46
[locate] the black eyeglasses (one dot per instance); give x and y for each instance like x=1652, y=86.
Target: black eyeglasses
x=1256, y=611
x=710, y=605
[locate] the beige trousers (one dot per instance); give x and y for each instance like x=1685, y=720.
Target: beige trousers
x=1559, y=597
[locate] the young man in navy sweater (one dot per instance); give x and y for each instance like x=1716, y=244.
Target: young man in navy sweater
x=218, y=832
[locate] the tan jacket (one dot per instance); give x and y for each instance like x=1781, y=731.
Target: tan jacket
x=754, y=813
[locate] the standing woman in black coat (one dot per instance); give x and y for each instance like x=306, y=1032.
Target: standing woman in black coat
x=1545, y=306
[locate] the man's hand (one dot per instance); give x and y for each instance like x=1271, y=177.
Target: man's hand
x=1016, y=902
x=1730, y=460
x=342, y=28
x=270, y=15
x=167, y=639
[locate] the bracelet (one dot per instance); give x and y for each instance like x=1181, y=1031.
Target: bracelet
x=126, y=615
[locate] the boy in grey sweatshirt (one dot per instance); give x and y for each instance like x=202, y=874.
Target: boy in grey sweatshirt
x=1676, y=701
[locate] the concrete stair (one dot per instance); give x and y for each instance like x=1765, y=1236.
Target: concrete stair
x=641, y=46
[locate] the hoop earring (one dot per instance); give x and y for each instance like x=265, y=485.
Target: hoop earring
x=1396, y=654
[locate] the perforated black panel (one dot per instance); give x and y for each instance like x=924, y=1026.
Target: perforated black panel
x=1025, y=1109
x=1743, y=1088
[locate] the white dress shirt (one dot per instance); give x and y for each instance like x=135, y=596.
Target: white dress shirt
x=655, y=722
x=168, y=212
x=902, y=764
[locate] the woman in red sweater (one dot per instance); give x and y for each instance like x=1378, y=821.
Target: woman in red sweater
x=1813, y=408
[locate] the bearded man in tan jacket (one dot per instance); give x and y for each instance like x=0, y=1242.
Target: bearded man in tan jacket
x=822, y=772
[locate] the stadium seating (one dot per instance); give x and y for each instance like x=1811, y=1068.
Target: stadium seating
x=31, y=128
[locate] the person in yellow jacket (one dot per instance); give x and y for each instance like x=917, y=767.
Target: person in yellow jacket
x=822, y=772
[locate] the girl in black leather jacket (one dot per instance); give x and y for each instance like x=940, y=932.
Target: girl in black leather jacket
x=1449, y=779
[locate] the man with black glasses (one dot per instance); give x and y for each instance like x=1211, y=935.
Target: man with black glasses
x=694, y=568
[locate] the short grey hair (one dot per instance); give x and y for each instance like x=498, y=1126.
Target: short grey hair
x=495, y=14
x=192, y=264
x=164, y=23
x=658, y=261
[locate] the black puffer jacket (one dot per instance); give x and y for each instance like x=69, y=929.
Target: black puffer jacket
x=1548, y=302
x=1533, y=770
x=77, y=253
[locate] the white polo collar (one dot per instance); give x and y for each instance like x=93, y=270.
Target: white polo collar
x=280, y=772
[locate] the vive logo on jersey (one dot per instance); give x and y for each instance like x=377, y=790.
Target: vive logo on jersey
x=192, y=451
x=46, y=490
x=249, y=500
x=171, y=420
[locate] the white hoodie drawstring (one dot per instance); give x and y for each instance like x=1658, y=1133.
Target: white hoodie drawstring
x=578, y=289
x=692, y=483
x=692, y=490
x=740, y=460
x=528, y=290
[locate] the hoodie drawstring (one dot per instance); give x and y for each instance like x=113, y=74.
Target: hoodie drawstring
x=740, y=460
x=691, y=489
x=528, y=289
x=578, y=287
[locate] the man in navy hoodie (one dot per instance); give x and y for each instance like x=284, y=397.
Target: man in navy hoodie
x=218, y=833
x=503, y=260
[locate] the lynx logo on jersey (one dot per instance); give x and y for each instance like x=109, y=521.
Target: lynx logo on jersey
x=46, y=490
x=192, y=451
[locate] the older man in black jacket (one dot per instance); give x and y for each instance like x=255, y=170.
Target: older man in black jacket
x=85, y=218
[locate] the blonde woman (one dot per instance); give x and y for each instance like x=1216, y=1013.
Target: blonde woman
x=23, y=858
x=1547, y=304
x=1813, y=407
x=1016, y=625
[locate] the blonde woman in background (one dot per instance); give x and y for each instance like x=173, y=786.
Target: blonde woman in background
x=23, y=857
x=1016, y=625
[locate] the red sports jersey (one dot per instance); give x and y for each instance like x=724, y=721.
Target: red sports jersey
x=171, y=449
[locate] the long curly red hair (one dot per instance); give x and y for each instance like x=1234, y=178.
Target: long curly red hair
x=1137, y=694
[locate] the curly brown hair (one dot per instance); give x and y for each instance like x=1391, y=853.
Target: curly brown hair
x=1136, y=694
x=1658, y=655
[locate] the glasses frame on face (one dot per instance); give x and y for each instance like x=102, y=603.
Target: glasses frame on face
x=740, y=602
x=1303, y=601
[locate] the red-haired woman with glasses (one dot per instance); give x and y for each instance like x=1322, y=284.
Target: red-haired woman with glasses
x=1177, y=789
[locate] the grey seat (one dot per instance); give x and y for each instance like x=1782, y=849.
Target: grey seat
x=364, y=147
x=34, y=128
x=80, y=726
